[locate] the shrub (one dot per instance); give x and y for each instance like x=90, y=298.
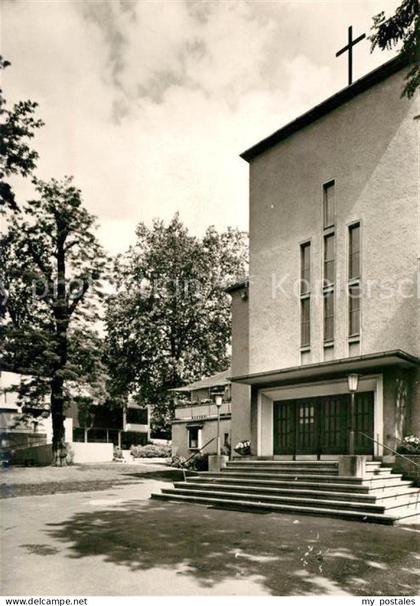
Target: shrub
x=198, y=463
x=178, y=462
x=409, y=445
x=243, y=448
x=150, y=451
x=117, y=453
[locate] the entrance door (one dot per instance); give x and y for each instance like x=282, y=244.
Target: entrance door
x=321, y=425
x=333, y=420
x=364, y=423
x=306, y=426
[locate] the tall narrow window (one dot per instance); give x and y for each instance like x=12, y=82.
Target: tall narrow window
x=194, y=438
x=354, y=310
x=329, y=204
x=329, y=316
x=305, y=268
x=329, y=259
x=354, y=251
x=354, y=292
x=305, y=322
x=305, y=295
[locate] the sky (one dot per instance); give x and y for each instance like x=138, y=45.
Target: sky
x=149, y=104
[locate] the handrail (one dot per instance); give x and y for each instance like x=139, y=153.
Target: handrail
x=389, y=448
x=195, y=454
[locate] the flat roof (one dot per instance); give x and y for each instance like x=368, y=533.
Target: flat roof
x=330, y=368
x=217, y=380
x=374, y=77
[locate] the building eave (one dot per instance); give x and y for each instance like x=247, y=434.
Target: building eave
x=331, y=368
x=346, y=94
x=220, y=379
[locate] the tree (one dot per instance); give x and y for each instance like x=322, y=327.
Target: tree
x=403, y=26
x=51, y=268
x=17, y=126
x=170, y=322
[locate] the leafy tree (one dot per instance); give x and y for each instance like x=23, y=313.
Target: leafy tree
x=51, y=267
x=169, y=322
x=17, y=126
x=403, y=26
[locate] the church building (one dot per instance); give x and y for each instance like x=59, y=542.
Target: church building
x=326, y=334
x=326, y=331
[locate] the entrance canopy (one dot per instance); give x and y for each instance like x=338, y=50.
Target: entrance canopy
x=330, y=369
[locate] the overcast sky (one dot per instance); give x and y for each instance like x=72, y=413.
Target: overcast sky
x=148, y=104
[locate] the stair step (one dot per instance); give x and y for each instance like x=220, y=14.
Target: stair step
x=300, y=471
x=361, y=516
x=343, y=487
x=274, y=490
x=392, y=498
x=380, y=488
x=304, y=476
x=411, y=514
x=290, y=500
x=299, y=463
x=285, y=469
x=307, y=464
x=303, y=487
x=397, y=491
x=371, y=466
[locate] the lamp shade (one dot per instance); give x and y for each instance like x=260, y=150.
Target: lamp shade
x=353, y=382
x=218, y=399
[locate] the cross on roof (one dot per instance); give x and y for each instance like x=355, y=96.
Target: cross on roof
x=349, y=48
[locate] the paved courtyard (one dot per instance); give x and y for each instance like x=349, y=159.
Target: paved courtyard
x=118, y=542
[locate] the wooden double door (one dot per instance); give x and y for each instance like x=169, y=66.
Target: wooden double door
x=321, y=425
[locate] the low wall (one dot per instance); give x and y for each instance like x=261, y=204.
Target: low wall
x=92, y=452
x=20, y=439
x=84, y=452
x=34, y=455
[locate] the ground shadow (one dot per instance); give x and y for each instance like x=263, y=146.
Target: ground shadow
x=288, y=555
x=165, y=475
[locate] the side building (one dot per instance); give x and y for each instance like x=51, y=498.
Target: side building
x=194, y=427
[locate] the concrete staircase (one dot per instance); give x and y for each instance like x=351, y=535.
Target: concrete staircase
x=303, y=487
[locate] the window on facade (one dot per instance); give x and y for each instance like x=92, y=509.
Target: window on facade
x=305, y=267
x=329, y=259
x=305, y=300
x=305, y=322
x=329, y=316
x=354, y=251
x=354, y=310
x=193, y=437
x=329, y=204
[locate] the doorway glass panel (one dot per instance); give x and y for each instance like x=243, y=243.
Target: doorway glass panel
x=321, y=425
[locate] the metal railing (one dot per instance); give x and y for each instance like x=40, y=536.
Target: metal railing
x=194, y=455
x=389, y=448
x=201, y=411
